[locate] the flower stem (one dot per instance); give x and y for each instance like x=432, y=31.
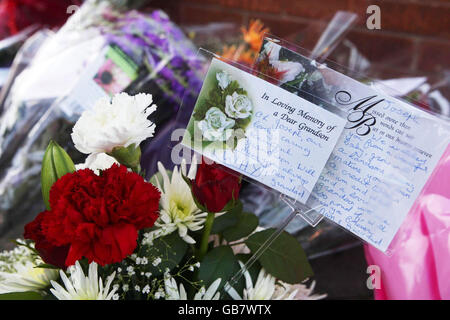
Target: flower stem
x=205, y=236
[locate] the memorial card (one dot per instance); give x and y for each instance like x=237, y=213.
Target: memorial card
x=262, y=131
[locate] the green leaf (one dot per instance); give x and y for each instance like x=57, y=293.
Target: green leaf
x=171, y=249
x=284, y=259
x=47, y=266
x=29, y=295
x=221, y=263
x=56, y=163
x=246, y=224
x=227, y=220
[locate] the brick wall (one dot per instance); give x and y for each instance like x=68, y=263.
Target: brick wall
x=414, y=38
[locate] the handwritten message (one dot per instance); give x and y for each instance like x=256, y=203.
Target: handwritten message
x=378, y=167
x=288, y=139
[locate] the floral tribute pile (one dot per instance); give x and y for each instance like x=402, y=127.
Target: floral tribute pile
x=108, y=233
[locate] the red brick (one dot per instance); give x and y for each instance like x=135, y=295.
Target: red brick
x=434, y=56
x=203, y=15
x=272, y=6
x=384, y=48
x=280, y=27
x=325, y=9
x=172, y=8
x=424, y=18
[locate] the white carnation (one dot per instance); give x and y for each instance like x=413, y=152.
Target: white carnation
x=117, y=123
x=97, y=162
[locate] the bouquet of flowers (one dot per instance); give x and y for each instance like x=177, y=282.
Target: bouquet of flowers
x=107, y=233
x=61, y=74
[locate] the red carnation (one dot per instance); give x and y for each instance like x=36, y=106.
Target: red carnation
x=214, y=187
x=55, y=255
x=96, y=217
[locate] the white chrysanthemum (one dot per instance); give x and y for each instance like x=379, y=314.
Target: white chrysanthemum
x=173, y=292
x=267, y=288
x=97, y=162
x=300, y=291
x=18, y=272
x=119, y=123
x=81, y=287
x=178, y=209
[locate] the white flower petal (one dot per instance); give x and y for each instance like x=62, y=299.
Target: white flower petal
x=81, y=287
x=118, y=123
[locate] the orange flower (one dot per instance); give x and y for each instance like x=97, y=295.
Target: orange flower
x=238, y=54
x=254, y=35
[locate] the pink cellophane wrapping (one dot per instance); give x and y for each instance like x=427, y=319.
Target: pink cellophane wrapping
x=418, y=266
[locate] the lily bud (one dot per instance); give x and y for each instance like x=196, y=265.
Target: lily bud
x=56, y=163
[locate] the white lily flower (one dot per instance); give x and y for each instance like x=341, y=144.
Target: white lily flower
x=117, y=123
x=81, y=287
x=178, y=209
x=272, y=50
x=290, y=69
x=173, y=292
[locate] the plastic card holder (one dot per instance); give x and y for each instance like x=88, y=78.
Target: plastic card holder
x=386, y=154
x=279, y=153
x=183, y=150
x=380, y=162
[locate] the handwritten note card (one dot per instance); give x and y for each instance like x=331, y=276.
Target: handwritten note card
x=262, y=131
x=383, y=159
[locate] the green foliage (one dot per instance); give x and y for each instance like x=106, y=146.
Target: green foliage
x=221, y=263
x=284, y=258
x=246, y=224
x=47, y=266
x=227, y=220
x=29, y=295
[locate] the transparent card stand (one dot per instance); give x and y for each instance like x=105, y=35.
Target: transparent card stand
x=183, y=149
x=380, y=163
